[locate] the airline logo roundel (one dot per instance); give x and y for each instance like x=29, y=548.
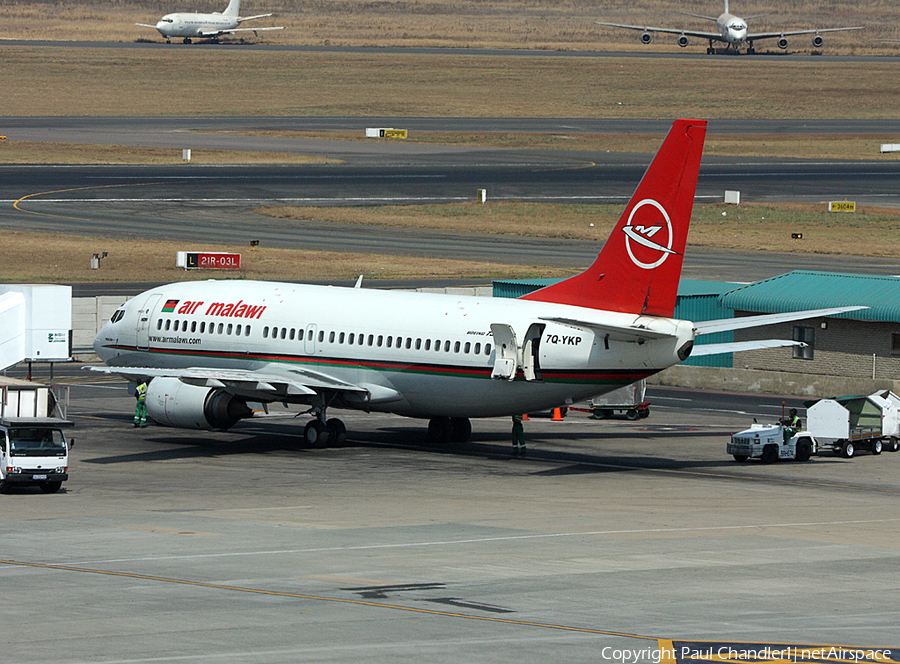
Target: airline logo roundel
x=648, y=234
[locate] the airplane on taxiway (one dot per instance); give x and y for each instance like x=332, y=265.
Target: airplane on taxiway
x=208, y=26
x=214, y=350
x=732, y=31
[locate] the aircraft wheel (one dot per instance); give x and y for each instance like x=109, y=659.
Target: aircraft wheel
x=460, y=429
x=316, y=434
x=439, y=430
x=770, y=454
x=337, y=432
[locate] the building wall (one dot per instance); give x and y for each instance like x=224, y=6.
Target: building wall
x=844, y=347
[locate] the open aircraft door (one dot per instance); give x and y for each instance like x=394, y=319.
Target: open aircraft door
x=143, y=321
x=506, y=352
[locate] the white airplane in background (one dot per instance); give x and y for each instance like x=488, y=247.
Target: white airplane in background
x=214, y=349
x=732, y=30
x=210, y=26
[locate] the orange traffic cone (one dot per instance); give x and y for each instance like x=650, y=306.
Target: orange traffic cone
x=525, y=417
x=557, y=415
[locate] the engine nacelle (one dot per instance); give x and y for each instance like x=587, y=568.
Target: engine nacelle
x=177, y=404
x=682, y=41
x=646, y=38
x=818, y=41
x=781, y=43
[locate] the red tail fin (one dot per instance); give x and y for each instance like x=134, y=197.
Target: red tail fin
x=640, y=265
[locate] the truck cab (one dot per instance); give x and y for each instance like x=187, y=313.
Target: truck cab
x=33, y=453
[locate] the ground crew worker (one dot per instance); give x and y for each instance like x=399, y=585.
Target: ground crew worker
x=140, y=408
x=793, y=422
x=518, y=436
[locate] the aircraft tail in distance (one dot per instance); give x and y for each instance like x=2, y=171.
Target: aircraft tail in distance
x=233, y=8
x=639, y=267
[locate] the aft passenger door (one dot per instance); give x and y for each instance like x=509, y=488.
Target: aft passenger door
x=506, y=352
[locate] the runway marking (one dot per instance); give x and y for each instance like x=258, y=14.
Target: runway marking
x=311, y=199
x=484, y=540
x=670, y=651
x=325, y=598
x=60, y=191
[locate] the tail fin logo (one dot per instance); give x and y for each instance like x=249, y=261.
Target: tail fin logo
x=645, y=233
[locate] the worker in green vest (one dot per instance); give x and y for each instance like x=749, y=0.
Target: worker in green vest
x=140, y=408
x=518, y=436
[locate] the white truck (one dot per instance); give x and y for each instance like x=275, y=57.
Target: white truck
x=768, y=443
x=33, y=449
x=848, y=424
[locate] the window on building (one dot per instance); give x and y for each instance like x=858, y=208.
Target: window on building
x=808, y=336
x=895, y=343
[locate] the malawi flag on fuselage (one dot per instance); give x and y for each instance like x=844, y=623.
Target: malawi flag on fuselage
x=169, y=306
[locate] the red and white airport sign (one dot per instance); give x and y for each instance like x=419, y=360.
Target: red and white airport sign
x=193, y=260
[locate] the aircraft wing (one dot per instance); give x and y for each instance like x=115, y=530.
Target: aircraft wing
x=232, y=31
x=250, y=18
x=144, y=25
x=728, y=324
x=616, y=332
x=738, y=346
x=263, y=385
x=673, y=31
x=788, y=33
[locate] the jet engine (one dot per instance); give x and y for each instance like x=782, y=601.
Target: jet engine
x=646, y=38
x=177, y=404
x=682, y=41
x=818, y=41
x=781, y=43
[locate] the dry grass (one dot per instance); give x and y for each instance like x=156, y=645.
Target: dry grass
x=31, y=152
x=532, y=24
x=875, y=231
x=811, y=146
x=55, y=258
x=116, y=82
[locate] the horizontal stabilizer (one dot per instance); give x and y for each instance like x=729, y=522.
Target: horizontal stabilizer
x=728, y=324
x=739, y=346
x=615, y=332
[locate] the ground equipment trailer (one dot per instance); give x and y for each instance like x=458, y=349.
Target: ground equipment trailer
x=845, y=425
x=769, y=443
x=629, y=400
x=33, y=449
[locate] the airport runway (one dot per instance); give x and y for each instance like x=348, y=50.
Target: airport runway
x=216, y=204
x=612, y=537
x=762, y=54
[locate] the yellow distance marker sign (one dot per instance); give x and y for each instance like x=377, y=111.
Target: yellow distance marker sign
x=393, y=133
x=842, y=206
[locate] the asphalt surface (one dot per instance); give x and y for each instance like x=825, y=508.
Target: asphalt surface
x=245, y=546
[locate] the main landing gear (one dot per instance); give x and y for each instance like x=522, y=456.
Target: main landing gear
x=445, y=430
x=323, y=433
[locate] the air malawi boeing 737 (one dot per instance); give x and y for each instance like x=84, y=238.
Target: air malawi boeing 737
x=732, y=31
x=210, y=26
x=213, y=347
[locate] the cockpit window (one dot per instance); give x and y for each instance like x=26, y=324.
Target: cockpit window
x=117, y=316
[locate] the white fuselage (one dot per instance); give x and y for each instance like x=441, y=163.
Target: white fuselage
x=421, y=355
x=195, y=25
x=732, y=28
